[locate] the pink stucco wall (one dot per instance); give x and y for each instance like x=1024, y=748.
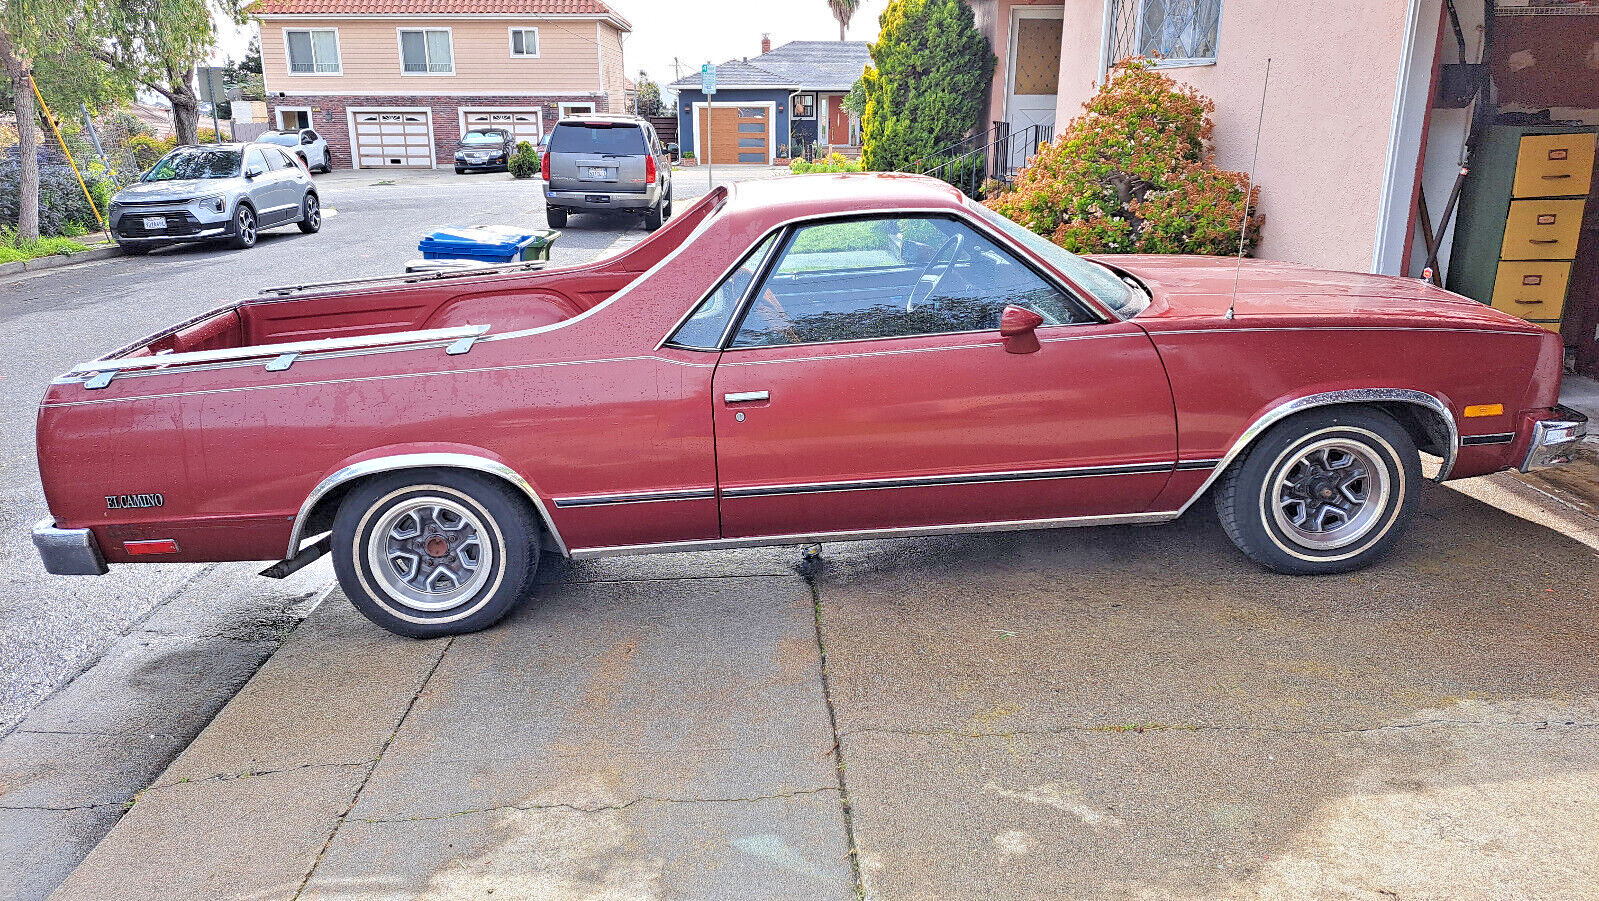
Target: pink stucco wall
x=1329, y=111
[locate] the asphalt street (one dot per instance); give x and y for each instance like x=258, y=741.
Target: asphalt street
x=52, y=627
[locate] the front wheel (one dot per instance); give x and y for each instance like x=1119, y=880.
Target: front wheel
x=1322, y=492
x=244, y=227
x=310, y=215
x=435, y=553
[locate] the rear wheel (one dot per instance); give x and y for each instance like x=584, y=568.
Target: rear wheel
x=427, y=554
x=556, y=217
x=244, y=227
x=1323, y=492
x=310, y=215
x=653, y=217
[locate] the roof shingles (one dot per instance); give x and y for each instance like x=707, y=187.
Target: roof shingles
x=431, y=7
x=823, y=65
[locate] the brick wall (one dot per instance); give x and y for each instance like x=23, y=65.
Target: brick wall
x=328, y=115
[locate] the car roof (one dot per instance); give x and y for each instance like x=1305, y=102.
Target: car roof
x=611, y=118
x=790, y=196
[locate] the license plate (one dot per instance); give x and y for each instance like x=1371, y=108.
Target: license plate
x=152, y=223
x=599, y=172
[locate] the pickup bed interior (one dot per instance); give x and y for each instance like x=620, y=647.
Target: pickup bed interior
x=504, y=301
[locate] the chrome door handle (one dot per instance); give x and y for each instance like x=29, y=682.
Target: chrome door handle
x=744, y=397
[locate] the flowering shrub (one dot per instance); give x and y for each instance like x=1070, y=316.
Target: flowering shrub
x=833, y=162
x=1134, y=174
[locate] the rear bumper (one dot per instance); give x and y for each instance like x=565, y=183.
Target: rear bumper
x=1554, y=440
x=603, y=200
x=68, y=552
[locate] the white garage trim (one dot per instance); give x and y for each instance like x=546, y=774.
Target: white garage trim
x=536, y=112
x=771, y=128
x=355, y=139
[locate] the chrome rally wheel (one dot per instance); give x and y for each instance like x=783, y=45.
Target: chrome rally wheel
x=1323, y=492
x=433, y=553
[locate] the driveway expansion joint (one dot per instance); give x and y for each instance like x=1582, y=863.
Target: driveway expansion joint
x=808, y=573
x=372, y=766
x=250, y=774
x=604, y=808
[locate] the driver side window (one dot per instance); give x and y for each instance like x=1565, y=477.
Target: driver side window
x=894, y=277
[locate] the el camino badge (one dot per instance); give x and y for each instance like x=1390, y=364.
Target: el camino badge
x=132, y=501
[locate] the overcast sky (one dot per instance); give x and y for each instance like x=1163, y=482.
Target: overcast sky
x=697, y=32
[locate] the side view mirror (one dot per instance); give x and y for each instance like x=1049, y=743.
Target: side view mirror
x=1017, y=326
x=307, y=139
x=253, y=172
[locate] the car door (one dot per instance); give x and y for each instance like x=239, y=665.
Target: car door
x=316, y=149
x=866, y=387
x=266, y=188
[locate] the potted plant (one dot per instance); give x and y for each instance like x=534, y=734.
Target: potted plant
x=782, y=155
x=688, y=159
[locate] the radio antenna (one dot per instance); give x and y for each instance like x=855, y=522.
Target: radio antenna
x=1243, y=226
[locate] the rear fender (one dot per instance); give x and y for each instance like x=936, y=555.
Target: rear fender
x=317, y=510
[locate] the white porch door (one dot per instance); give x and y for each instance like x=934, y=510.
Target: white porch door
x=1033, y=76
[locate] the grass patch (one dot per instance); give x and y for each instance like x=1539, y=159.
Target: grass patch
x=14, y=249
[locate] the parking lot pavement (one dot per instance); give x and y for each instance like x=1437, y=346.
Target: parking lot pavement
x=1107, y=713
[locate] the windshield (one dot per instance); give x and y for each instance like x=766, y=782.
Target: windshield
x=597, y=137
x=1106, y=286
x=195, y=162
x=273, y=137
x=482, y=137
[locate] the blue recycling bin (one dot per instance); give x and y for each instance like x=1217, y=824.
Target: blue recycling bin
x=488, y=243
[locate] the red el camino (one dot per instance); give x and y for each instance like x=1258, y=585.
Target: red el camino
x=796, y=360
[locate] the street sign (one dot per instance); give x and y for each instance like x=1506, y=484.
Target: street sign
x=708, y=79
x=212, y=86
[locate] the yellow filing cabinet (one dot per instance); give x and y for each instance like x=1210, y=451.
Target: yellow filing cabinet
x=1542, y=229
x=1534, y=290
x=1558, y=165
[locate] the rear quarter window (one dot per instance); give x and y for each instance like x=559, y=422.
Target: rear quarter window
x=597, y=137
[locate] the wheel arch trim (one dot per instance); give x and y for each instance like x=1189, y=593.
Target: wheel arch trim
x=1348, y=397
x=424, y=460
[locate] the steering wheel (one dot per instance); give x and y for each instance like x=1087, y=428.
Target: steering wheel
x=934, y=271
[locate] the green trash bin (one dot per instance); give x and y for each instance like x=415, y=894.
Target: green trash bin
x=543, y=241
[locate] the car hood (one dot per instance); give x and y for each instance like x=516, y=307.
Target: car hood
x=1200, y=287
x=179, y=189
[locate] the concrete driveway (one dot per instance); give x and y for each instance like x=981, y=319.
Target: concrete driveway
x=1108, y=713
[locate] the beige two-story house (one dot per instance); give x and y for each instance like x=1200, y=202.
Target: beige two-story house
x=394, y=83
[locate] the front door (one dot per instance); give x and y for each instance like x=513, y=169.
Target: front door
x=867, y=387
x=1033, y=79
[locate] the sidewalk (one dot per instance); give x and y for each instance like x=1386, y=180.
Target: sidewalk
x=1105, y=713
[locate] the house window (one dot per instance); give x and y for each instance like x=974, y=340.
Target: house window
x=312, y=51
x=524, y=42
x=1174, y=32
x=804, y=106
x=426, y=51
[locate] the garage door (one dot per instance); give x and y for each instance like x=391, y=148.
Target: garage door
x=738, y=134
x=392, y=139
x=524, y=123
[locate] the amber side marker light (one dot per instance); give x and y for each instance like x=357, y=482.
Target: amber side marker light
x=158, y=546
x=1484, y=410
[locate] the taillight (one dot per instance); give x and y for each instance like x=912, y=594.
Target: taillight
x=544, y=167
x=649, y=170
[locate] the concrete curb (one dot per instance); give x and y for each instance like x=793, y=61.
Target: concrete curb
x=60, y=259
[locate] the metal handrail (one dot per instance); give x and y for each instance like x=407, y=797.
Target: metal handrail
x=994, y=156
x=944, y=152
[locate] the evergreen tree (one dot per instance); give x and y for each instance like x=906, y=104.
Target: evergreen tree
x=928, y=82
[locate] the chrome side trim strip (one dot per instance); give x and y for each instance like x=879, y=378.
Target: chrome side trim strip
x=637, y=497
x=1352, y=396
x=1076, y=472
x=1197, y=464
x=1477, y=440
x=261, y=351
x=717, y=544
x=416, y=461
